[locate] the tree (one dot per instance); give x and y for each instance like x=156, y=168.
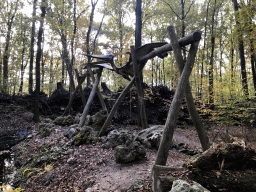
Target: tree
x=241, y=52
x=12, y=8
x=32, y=41
x=38, y=59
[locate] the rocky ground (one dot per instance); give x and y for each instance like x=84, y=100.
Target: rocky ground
x=53, y=163
x=91, y=167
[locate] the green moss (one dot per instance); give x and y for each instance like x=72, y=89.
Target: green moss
x=45, y=132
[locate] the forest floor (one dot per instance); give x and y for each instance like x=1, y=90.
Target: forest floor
x=91, y=167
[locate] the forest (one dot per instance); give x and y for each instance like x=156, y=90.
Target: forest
x=58, y=37
x=205, y=90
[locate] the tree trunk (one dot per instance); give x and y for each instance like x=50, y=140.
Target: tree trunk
x=138, y=26
x=68, y=63
x=88, y=35
x=22, y=67
x=142, y=113
x=30, y=82
x=38, y=59
x=241, y=54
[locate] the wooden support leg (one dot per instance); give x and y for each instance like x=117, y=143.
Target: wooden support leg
x=170, y=124
x=97, y=90
x=188, y=94
x=72, y=99
x=113, y=110
x=80, y=87
x=142, y=116
x=90, y=99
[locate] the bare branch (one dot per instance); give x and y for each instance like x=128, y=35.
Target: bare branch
x=189, y=8
x=172, y=9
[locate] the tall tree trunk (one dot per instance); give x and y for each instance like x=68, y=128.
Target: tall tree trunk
x=253, y=65
x=6, y=49
x=68, y=62
x=1, y=68
x=138, y=26
x=38, y=59
x=88, y=35
x=22, y=67
x=241, y=54
x=211, y=94
x=30, y=82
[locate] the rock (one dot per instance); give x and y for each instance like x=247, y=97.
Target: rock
x=97, y=120
x=232, y=155
x=184, y=186
x=134, y=151
x=84, y=136
x=45, y=128
x=112, y=139
x=151, y=137
x=71, y=131
x=115, y=138
x=64, y=120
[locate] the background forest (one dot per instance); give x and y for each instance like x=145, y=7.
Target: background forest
x=55, y=35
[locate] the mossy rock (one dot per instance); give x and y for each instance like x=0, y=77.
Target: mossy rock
x=64, y=120
x=85, y=136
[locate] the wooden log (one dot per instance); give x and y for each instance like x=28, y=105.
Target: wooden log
x=142, y=116
x=113, y=110
x=188, y=94
x=170, y=124
x=80, y=87
x=66, y=112
x=97, y=89
x=90, y=99
x=189, y=39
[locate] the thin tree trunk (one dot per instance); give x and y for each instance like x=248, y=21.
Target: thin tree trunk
x=22, y=68
x=241, y=54
x=38, y=59
x=30, y=82
x=210, y=88
x=88, y=35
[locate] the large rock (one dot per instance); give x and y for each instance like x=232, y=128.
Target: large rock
x=64, y=120
x=184, y=186
x=151, y=137
x=115, y=138
x=85, y=135
x=96, y=121
x=225, y=166
x=134, y=151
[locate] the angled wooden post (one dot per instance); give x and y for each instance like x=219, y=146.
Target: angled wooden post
x=141, y=105
x=80, y=87
x=97, y=89
x=113, y=110
x=170, y=124
x=90, y=99
x=188, y=94
x=72, y=97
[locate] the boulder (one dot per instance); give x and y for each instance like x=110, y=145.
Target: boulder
x=71, y=131
x=126, y=154
x=96, y=121
x=64, y=120
x=115, y=138
x=151, y=137
x=45, y=128
x=184, y=186
x=85, y=135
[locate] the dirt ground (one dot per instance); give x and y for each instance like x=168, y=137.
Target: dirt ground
x=92, y=168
